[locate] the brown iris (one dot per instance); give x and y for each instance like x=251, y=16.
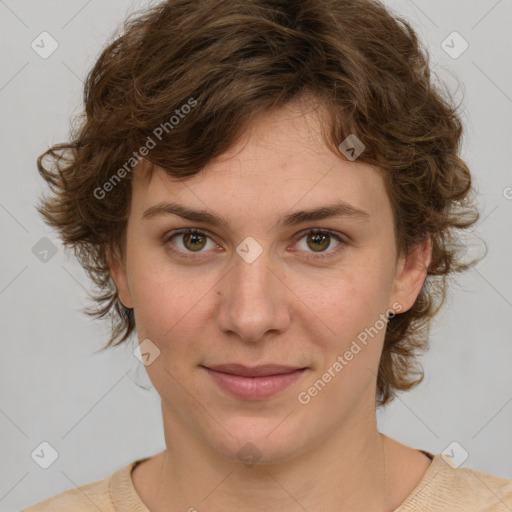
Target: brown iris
x=193, y=238
x=319, y=238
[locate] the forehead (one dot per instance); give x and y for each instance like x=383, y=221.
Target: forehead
x=280, y=164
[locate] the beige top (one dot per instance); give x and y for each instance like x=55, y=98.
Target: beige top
x=441, y=489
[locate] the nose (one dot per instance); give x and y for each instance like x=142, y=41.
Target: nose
x=254, y=300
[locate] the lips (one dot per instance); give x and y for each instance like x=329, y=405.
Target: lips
x=256, y=371
x=256, y=383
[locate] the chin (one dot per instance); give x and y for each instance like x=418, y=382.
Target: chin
x=259, y=441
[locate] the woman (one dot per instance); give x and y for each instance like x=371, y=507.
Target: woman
x=267, y=193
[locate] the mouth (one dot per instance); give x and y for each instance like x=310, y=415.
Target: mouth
x=254, y=383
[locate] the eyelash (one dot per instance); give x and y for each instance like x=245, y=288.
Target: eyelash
x=314, y=231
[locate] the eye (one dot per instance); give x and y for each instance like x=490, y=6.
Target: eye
x=321, y=239
x=194, y=241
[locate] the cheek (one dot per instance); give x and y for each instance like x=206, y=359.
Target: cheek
x=349, y=334
x=171, y=314
x=348, y=301
x=165, y=302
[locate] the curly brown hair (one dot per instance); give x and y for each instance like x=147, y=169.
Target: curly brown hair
x=229, y=61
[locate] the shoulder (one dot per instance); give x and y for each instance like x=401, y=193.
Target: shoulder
x=93, y=496
x=463, y=489
x=79, y=499
x=489, y=492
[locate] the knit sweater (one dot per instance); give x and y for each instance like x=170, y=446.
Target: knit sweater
x=442, y=488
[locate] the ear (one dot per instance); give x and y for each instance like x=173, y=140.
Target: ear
x=117, y=267
x=410, y=275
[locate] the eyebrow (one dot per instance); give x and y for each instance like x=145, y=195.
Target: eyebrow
x=338, y=209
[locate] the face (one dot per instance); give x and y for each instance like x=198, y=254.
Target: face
x=260, y=289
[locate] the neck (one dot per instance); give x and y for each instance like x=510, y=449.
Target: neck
x=345, y=471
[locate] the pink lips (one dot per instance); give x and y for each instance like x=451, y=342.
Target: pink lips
x=254, y=383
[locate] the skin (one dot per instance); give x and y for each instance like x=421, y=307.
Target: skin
x=282, y=308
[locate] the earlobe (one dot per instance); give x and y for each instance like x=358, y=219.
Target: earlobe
x=118, y=274
x=411, y=274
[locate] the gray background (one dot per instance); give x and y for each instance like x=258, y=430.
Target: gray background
x=54, y=388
